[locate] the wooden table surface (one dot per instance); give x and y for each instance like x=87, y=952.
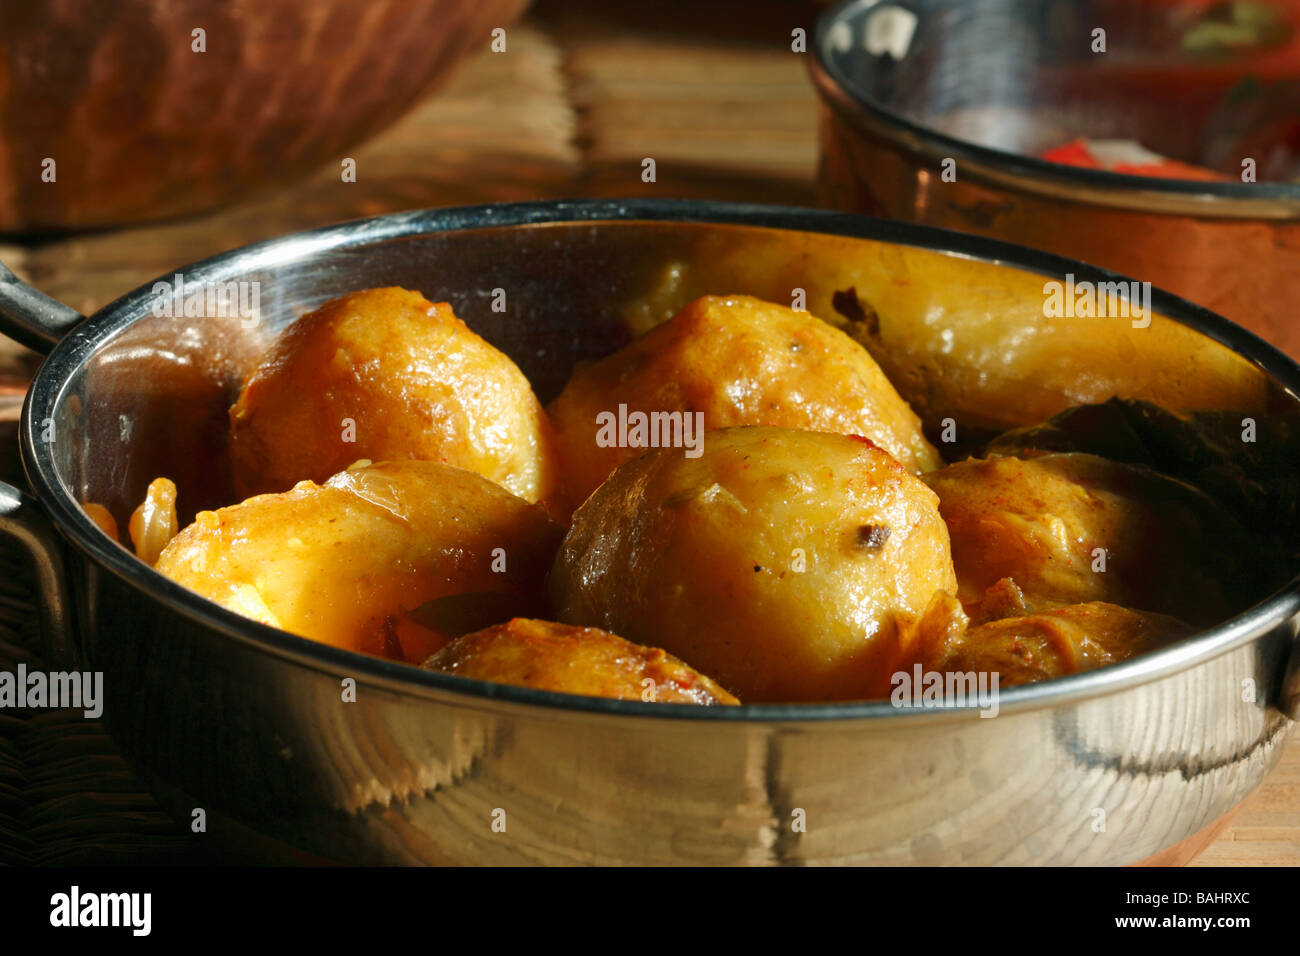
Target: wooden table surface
x=583, y=94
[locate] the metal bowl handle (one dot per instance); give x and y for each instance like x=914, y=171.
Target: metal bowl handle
x=31, y=316
x=38, y=321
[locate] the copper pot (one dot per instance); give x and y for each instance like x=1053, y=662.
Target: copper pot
x=140, y=125
x=978, y=89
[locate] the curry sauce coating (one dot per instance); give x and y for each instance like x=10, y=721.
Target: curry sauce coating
x=788, y=565
x=413, y=382
x=739, y=361
x=575, y=660
x=1070, y=528
x=1056, y=642
x=346, y=563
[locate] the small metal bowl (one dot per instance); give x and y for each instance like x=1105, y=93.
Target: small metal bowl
x=978, y=88
x=259, y=728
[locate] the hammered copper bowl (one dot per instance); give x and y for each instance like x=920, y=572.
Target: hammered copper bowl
x=989, y=84
x=141, y=126
x=255, y=726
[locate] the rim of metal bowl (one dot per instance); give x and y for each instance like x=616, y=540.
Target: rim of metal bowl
x=49, y=388
x=1231, y=200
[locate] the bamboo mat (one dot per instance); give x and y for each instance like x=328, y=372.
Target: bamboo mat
x=583, y=95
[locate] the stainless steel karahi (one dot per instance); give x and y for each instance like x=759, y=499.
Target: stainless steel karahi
x=251, y=724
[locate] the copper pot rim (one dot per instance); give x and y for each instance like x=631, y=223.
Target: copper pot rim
x=1240, y=201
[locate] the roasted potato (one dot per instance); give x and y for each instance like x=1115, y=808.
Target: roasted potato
x=1075, y=528
x=738, y=361
x=1055, y=643
x=575, y=660
x=788, y=565
x=384, y=374
x=363, y=561
x=103, y=519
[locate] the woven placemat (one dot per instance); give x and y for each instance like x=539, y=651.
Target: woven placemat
x=66, y=795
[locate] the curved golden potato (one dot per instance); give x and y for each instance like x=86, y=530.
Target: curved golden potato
x=385, y=374
x=738, y=361
x=789, y=565
x=1055, y=643
x=356, y=561
x=154, y=522
x=575, y=660
x=1073, y=528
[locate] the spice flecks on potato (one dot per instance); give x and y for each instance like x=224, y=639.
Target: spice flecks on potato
x=788, y=565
